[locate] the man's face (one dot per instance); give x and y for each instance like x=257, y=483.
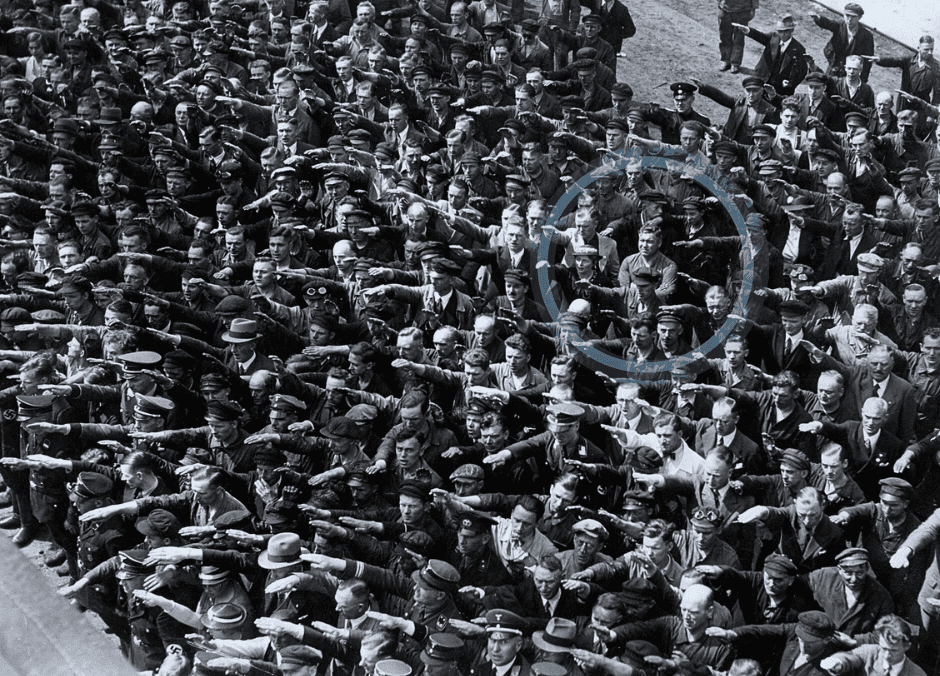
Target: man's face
x=413, y=418
x=854, y=576
x=203, y=493
x=833, y=467
x=585, y=548
x=829, y=392
x=412, y=509
x=792, y=477
x=668, y=333
x=86, y=224
x=547, y=582
x=695, y=613
x=683, y=103
x=408, y=452
x=915, y=302
x=242, y=351
x=776, y=584
x=234, y=243
x=881, y=364
x=586, y=225
x=669, y=438
x=501, y=56
x=809, y=513
x=471, y=542
x=502, y=647
x=135, y=277
x=263, y=275
x=782, y=395
x=689, y=140
x=522, y=524
x=789, y=118
x=44, y=246
x=718, y=307
x=69, y=256
x=873, y=419
x=410, y=348
x=648, y=244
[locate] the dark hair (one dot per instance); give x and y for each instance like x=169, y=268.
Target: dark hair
x=365, y=352
x=530, y=503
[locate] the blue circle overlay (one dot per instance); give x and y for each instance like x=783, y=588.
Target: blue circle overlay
x=669, y=159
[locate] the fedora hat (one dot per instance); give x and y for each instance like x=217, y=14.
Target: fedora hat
x=241, y=331
x=283, y=550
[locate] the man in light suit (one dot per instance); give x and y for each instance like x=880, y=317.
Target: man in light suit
x=887, y=658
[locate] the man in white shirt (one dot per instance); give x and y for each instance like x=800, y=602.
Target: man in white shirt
x=667, y=441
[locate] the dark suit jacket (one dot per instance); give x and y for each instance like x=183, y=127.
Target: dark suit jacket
x=775, y=67
x=839, y=261
x=900, y=395
x=839, y=46
x=261, y=363
x=737, y=128
x=524, y=599
x=618, y=24
x=820, y=549
x=866, y=468
x=771, y=349
x=749, y=457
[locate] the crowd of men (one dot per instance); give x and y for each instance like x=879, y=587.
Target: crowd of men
x=301, y=363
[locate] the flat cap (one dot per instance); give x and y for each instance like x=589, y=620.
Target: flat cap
x=591, y=527
x=795, y=459
x=160, y=523
x=467, y=472
x=224, y=411
x=869, y=262
x=897, y=487
x=752, y=82
x=815, y=625
x=853, y=9
x=853, y=556
x=339, y=427
x=794, y=307
x=780, y=563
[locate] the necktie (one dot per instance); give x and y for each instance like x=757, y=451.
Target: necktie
x=868, y=446
x=789, y=345
x=878, y=389
x=548, y=607
x=716, y=496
